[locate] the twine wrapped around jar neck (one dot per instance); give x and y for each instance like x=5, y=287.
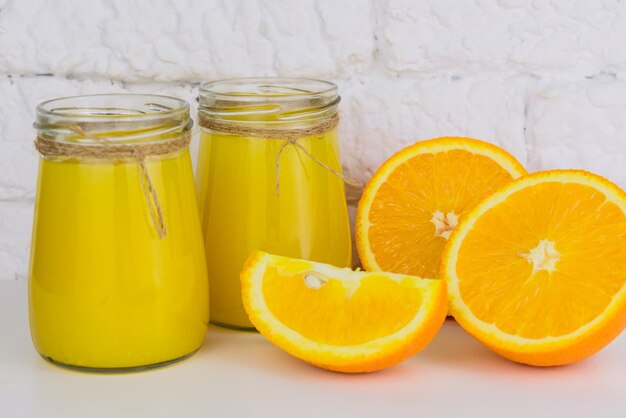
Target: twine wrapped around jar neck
x=291, y=136
x=105, y=149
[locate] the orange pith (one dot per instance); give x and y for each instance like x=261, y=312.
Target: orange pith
x=537, y=271
x=412, y=203
x=339, y=319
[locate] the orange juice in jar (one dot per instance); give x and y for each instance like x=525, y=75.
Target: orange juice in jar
x=269, y=178
x=118, y=272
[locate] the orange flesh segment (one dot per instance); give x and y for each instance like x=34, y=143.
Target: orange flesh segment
x=338, y=314
x=401, y=234
x=588, y=238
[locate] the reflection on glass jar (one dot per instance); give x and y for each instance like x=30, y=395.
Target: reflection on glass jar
x=118, y=273
x=269, y=178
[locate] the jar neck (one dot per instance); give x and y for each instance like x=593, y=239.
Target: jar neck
x=112, y=118
x=269, y=102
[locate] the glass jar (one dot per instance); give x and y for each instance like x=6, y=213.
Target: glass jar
x=117, y=272
x=268, y=178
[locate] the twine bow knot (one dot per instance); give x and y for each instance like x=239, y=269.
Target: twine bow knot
x=105, y=149
x=290, y=135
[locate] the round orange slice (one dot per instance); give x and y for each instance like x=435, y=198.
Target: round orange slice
x=414, y=200
x=537, y=271
x=339, y=319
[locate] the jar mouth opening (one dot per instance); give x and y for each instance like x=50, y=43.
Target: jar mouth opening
x=116, y=117
x=258, y=89
x=267, y=100
x=122, y=106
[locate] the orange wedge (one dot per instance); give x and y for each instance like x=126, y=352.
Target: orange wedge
x=339, y=319
x=537, y=271
x=413, y=202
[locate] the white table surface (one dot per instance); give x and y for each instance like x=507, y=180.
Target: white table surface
x=238, y=374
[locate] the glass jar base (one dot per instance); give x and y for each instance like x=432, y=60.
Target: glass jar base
x=116, y=370
x=234, y=327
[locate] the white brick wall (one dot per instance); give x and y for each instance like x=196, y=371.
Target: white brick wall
x=544, y=79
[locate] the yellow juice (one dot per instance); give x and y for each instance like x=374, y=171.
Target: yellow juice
x=241, y=212
x=105, y=291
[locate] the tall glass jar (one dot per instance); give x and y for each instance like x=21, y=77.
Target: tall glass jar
x=118, y=272
x=269, y=178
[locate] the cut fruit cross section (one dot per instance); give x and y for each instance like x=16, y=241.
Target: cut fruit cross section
x=414, y=200
x=537, y=271
x=339, y=319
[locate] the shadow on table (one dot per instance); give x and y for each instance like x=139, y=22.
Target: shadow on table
x=251, y=350
x=452, y=353
x=454, y=348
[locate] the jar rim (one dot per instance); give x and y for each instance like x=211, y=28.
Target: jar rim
x=293, y=88
x=157, y=107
